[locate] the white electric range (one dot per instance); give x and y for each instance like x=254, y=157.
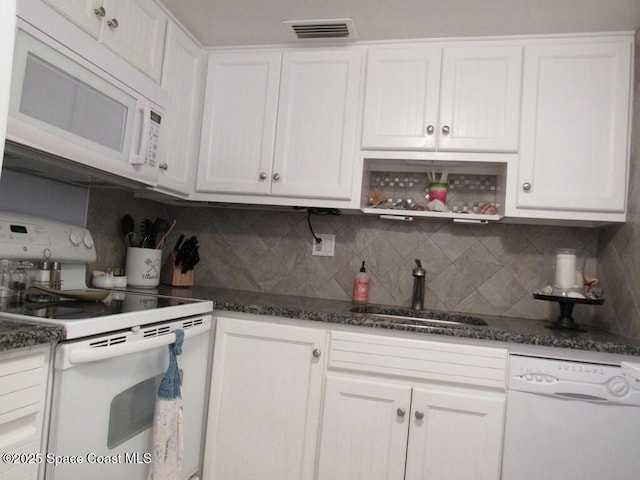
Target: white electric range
x=107, y=370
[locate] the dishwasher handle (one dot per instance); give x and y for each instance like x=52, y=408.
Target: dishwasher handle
x=80, y=356
x=581, y=397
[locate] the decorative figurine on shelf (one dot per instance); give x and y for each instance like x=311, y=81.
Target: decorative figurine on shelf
x=589, y=284
x=376, y=198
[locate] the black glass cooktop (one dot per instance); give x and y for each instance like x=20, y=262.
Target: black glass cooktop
x=116, y=303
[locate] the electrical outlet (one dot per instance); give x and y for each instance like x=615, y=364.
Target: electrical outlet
x=326, y=247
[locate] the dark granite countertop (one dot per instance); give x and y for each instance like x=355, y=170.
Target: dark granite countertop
x=502, y=329
x=15, y=334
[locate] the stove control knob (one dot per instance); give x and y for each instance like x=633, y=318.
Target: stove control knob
x=75, y=238
x=88, y=241
x=618, y=387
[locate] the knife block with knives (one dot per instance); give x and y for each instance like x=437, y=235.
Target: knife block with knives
x=177, y=269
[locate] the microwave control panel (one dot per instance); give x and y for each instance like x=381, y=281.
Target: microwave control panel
x=154, y=135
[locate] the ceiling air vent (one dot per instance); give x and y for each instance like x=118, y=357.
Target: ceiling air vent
x=342, y=28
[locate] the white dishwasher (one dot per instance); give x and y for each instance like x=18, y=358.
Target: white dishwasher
x=571, y=421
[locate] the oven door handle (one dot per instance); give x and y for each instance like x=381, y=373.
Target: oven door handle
x=94, y=354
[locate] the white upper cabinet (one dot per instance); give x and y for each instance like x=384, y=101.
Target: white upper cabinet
x=463, y=98
x=401, y=99
x=317, y=115
x=280, y=125
x=575, y=130
x=480, y=99
x=239, y=122
x=84, y=13
x=135, y=29
x=182, y=78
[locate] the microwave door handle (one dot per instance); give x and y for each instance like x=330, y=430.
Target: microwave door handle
x=144, y=110
x=88, y=355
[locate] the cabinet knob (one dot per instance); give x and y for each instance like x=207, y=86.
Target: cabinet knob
x=401, y=412
x=263, y=175
x=113, y=23
x=276, y=177
x=163, y=166
x=100, y=11
x=526, y=186
x=419, y=414
x=446, y=130
x=430, y=129
x=316, y=352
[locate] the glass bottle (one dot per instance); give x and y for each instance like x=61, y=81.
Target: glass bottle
x=55, y=280
x=42, y=277
x=18, y=283
x=5, y=280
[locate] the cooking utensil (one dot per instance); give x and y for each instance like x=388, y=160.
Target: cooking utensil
x=179, y=243
x=146, y=230
x=187, y=255
x=133, y=240
x=160, y=243
x=127, y=226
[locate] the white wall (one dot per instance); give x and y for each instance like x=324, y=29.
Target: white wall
x=7, y=36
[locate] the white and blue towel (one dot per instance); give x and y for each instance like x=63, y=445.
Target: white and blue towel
x=168, y=445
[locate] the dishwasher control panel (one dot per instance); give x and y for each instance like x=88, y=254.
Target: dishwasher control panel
x=539, y=370
x=572, y=380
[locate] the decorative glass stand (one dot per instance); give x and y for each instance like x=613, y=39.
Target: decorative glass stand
x=565, y=321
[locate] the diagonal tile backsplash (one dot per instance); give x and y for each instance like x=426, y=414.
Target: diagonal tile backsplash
x=482, y=269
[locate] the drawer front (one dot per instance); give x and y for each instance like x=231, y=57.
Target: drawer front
x=421, y=359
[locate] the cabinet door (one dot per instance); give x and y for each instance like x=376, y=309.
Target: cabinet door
x=401, y=99
x=480, y=99
x=265, y=401
x=239, y=123
x=575, y=117
x=182, y=79
x=136, y=29
x=364, y=429
x=317, y=114
x=23, y=396
x=84, y=13
x=455, y=433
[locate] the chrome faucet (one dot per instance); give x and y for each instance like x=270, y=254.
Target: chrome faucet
x=419, y=273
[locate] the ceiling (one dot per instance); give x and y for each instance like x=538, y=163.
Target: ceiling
x=259, y=22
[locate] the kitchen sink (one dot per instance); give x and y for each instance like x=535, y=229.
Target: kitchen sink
x=422, y=316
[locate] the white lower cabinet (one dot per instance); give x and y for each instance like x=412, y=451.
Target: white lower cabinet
x=405, y=409
x=265, y=401
x=286, y=405
x=455, y=433
x=24, y=375
x=364, y=429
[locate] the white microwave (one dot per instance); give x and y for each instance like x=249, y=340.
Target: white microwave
x=66, y=106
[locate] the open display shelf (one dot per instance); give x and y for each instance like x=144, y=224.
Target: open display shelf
x=402, y=189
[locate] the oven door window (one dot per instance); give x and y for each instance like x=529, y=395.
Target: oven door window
x=132, y=410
